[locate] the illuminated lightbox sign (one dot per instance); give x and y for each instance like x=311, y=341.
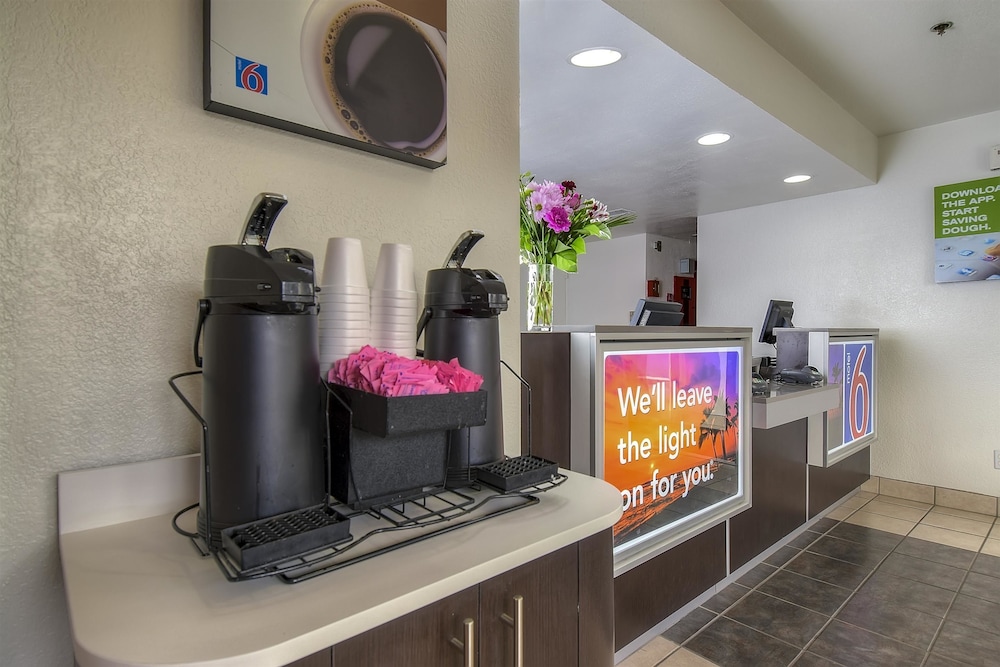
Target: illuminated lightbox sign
x=673, y=436
x=852, y=365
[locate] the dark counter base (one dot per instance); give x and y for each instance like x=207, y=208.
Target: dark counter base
x=648, y=593
x=779, y=492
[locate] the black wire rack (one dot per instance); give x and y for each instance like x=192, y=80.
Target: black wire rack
x=383, y=529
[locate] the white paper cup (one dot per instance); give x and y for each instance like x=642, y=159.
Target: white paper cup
x=394, y=270
x=343, y=290
x=344, y=265
x=328, y=309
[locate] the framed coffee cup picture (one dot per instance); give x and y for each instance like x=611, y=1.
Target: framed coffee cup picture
x=363, y=73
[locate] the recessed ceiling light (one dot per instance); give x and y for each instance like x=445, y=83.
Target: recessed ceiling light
x=714, y=139
x=799, y=178
x=596, y=57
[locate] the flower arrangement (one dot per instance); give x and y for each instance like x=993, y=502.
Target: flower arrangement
x=556, y=221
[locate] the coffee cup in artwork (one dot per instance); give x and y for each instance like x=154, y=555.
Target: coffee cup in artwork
x=377, y=75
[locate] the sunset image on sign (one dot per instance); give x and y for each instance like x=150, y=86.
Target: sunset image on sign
x=672, y=434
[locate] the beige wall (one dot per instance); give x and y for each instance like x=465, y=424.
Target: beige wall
x=114, y=183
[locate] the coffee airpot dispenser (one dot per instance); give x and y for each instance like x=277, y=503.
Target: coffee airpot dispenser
x=262, y=412
x=461, y=320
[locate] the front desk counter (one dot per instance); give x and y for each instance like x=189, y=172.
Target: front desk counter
x=140, y=594
x=786, y=492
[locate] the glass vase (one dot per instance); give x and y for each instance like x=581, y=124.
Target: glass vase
x=540, y=297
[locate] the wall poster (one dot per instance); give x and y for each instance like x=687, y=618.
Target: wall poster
x=673, y=439
x=362, y=73
x=967, y=231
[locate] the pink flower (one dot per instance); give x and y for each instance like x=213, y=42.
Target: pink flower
x=573, y=200
x=558, y=219
x=544, y=198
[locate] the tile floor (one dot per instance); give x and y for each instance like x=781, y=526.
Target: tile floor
x=880, y=580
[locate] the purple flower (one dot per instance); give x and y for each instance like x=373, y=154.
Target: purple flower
x=558, y=219
x=573, y=200
x=544, y=198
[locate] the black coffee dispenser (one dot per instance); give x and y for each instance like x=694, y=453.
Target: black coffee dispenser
x=461, y=320
x=262, y=397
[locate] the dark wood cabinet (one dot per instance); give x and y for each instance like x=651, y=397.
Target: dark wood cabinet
x=565, y=619
x=423, y=637
x=546, y=591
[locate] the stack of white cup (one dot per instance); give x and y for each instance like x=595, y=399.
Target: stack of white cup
x=394, y=301
x=344, y=317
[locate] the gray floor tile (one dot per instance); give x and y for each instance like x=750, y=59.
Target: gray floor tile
x=968, y=645
x=812, y=660
x=987, y=564
x=854, y=646
x=893, y=591
x=682, y=630
x=862, y=555
x=781, y=556
x=976, y=613
x=777, y=618
x=757, y=575
x=927, y=571
x=814, y=595
x=982, y=586
x=830, y=570
x=872, y=537
x=725, y=597
x=935, y=660
x=730, y=644
x=909, y=626
x=939, y=553
x=804, y=540
x=823, y=525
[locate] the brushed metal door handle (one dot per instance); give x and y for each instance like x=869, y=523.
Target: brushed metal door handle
x=517, y=622
x=468, y=647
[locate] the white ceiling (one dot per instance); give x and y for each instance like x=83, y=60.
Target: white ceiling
x=626, y=133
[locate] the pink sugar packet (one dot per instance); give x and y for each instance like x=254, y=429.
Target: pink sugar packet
x=388, y=374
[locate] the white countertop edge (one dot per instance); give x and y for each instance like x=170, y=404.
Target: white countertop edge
x=89, y=587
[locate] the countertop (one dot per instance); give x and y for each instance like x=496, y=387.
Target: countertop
x=784, y=403
x=140, y=594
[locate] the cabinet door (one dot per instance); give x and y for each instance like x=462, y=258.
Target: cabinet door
x=549, y=624
x=322, y=659
x=419, y=639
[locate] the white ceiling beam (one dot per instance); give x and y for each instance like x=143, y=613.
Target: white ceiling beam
x=710, y=36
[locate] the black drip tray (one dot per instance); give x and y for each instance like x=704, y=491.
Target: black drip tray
x=277, y=538
x=517, y=473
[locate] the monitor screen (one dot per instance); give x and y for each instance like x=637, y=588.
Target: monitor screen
x=656, y=313
x=779, y=314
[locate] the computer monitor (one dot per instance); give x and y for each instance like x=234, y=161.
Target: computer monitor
x=779, y=314
x=656, y=313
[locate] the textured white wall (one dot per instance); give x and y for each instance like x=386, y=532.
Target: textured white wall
x=610, y=278
x=864, y=258
x=114, y=183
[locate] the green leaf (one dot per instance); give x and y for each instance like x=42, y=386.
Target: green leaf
x=565, y=261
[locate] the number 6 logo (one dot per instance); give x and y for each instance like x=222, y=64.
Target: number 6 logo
x=860, y=398
x=251, y=76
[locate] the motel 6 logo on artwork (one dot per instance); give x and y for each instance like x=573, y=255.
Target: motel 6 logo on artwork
x=251, y=76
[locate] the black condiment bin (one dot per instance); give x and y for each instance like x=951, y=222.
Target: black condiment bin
x=388, y=450
x=284, y=536
x=517, y=473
